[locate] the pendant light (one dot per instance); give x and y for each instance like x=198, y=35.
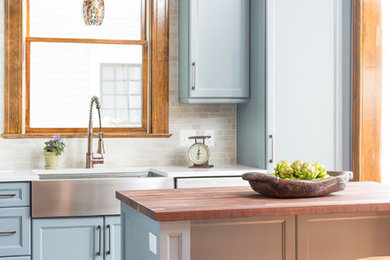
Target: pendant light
x=93, y=12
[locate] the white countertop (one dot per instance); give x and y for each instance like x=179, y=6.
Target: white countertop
x=166, y=171
x=183, y=171
x=18, y=175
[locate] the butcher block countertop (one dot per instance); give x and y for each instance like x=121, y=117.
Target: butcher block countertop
x=243, y=202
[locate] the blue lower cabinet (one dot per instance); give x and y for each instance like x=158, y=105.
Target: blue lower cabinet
x=136, y=229
x=15, y=230
x=112, y=241
x=89, y=238
x=68, y=238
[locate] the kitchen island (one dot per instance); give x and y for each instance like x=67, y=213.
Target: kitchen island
x=237, y=223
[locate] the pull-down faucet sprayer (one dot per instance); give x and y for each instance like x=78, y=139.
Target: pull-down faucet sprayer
x=91, y=160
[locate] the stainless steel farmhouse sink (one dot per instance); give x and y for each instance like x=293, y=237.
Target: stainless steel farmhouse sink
x=88, y=192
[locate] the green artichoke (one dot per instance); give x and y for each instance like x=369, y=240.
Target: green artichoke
x=296, y=166
x=308, y=171
x=301, y=170
x=321, y=171
x=283, y=170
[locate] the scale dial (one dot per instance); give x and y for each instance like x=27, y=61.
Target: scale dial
x=199, y=153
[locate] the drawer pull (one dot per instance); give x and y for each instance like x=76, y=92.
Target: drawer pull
x=7, y=233
x=109, y=239
x=7, y=195
x=193, y=76
x=100, y=240
x=272, y=149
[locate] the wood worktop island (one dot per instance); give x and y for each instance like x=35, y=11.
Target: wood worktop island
x=236, y=223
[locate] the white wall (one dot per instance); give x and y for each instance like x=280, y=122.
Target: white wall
x=27, y=153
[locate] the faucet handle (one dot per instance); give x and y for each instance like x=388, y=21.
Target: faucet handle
x=100, y=149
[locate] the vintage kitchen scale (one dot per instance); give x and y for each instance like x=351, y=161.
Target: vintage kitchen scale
x=199, y=152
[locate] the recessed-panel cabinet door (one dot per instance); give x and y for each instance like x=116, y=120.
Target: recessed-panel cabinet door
x=112, y=238
x=308, y=82
x=219, y=48
x=262, y=238
x=15, y=233
x=343, y=236
x=68, y=238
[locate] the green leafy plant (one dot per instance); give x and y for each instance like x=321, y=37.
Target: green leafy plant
x=56, y=145
x=301, y=170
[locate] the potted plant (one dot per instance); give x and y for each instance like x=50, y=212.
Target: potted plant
x=52, y=151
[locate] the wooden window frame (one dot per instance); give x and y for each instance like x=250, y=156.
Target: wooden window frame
x=366, y=90
x=155, y=119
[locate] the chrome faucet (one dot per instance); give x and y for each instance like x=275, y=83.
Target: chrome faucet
x=91, y=160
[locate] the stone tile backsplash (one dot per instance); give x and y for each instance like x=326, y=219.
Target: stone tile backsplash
x=27, y=153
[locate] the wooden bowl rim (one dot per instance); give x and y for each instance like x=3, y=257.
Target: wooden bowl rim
x=267, y=177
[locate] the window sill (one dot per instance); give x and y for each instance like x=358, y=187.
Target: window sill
x=81, y=135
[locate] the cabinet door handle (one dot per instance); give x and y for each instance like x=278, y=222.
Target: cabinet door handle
x=109, y=239
x=7, y=233
x=100, y=240
x=272, y=149
x=7, y=195
x=193, y=75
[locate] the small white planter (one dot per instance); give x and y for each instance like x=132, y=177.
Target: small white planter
x=51, y=160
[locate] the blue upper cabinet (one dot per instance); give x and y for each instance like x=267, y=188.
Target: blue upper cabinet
x=214, y=51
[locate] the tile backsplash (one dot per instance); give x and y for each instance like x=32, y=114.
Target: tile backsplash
x=221, y=118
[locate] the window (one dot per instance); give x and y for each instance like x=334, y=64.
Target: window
x=61, y=63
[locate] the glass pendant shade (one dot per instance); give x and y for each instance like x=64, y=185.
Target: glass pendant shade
x=93, y=12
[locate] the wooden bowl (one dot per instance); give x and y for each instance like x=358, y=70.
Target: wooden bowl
x=272, y=186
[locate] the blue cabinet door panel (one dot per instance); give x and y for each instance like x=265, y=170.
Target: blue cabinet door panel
x=14, y=194
x=112, y=241
x=15, y=230
x=68, y=238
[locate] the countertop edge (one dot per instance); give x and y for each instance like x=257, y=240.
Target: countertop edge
x=252, y=213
